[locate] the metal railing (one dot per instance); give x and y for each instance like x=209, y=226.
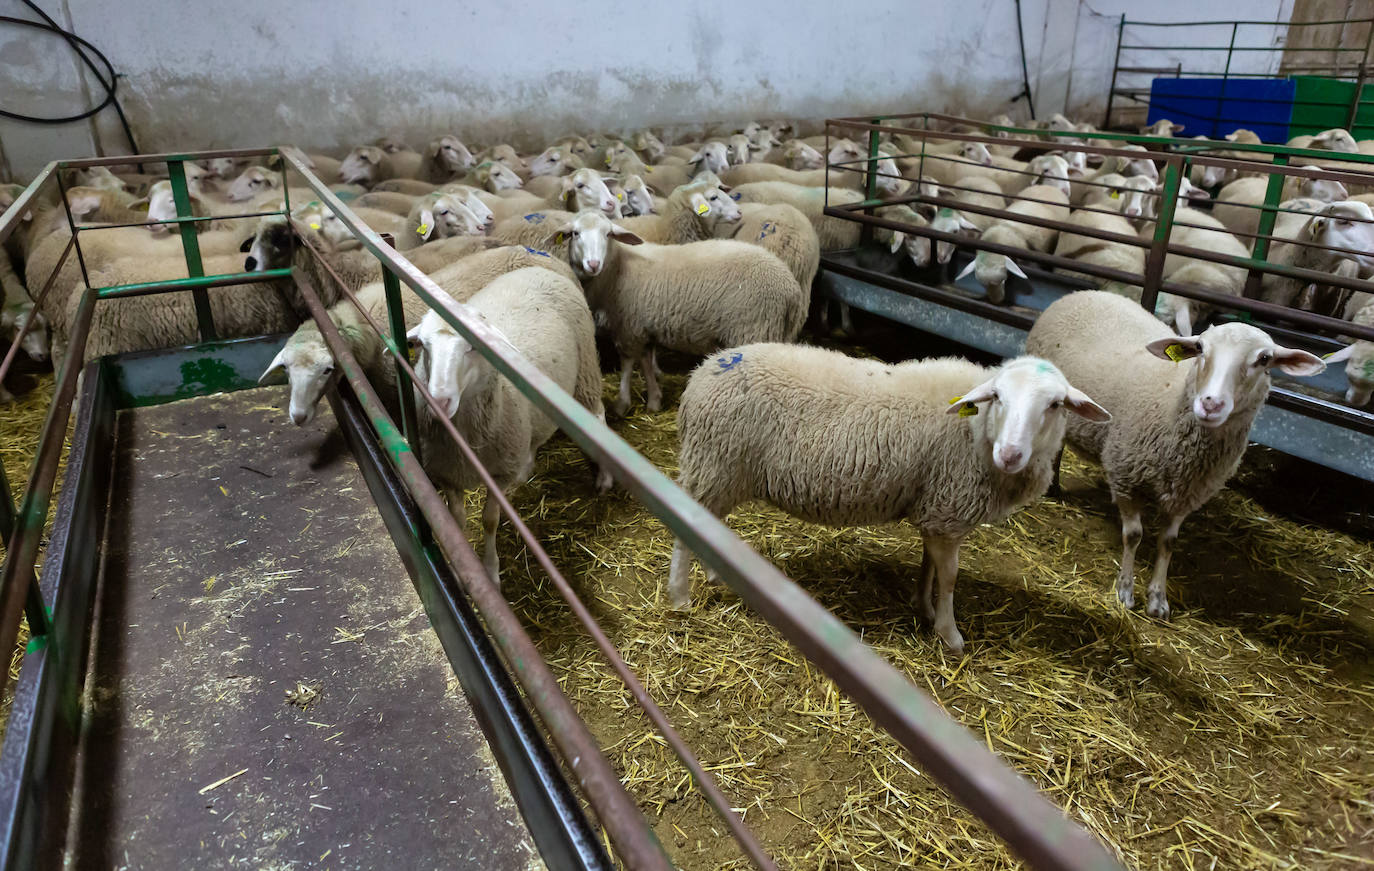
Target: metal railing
x=1178, y=158
x=1211, y=107
x=1031, y=825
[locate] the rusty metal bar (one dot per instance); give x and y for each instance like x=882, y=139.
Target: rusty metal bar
x=86, y=228
x=37, y=303
x=631, y=833
x=1032, y=826
x=14, y=215
x=165, y=157
x=714, y=796
x=18, y=582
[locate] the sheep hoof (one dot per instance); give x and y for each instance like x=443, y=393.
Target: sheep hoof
x=1126, y=595
x=953, y=640
x=681, y=604
x=621, y=407
x=655, y=404
x=1158, y=608
x=604, y=481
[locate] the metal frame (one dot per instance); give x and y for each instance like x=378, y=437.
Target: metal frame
x=1033, y=827
x=1357, y=72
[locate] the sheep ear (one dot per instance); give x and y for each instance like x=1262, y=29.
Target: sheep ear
x=982, y=393
x=1300, y=363
x=898, y=237
x=426, y=226
x=1197, y=193
x=413, y=336
x=1014, y=269
x=1178, y=128
x=246, y=246
x=966, y=224
x=1083, y=406
x=278, y=362
x=625, y=237
x=1174, y=348
x=967, y=269
x=1340, y=356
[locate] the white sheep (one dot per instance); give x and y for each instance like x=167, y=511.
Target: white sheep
x=639, y=200
x=1358, y=356
x=834, y=233
x=990, y=268
x=889, y=182
x=369, y=164
x=944, y=444
x=1102, y=252
x=1163, y=127
x=1196, y=229
x=438, y=216
x=445, y=159
x=1181, y=410
x=784, y=231
x=493, y=176
x=409, y=186
x=309, y=365
x=542, y=316
x=690, y=214
x=694, y=298
x=1236, y=203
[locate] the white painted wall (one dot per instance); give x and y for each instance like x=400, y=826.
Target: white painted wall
x=330, y=74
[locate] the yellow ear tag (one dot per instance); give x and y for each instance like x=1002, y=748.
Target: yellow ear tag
x=422, y=229
x=314, y=226
x=1116, y=195
x=1175, y=352
x=702, y=208
x=558, y=239
x=620, y=197
x=969, y=409
x=609, y=160
x=648, y=169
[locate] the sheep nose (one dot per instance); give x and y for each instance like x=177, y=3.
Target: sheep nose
x=1132, y=211
x=1010, y=458
x=593, y=266
x=300, y=418
x=1210, y=404
x=250, y=264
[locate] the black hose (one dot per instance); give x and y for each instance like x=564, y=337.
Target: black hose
x=1025, y=74
x=78, y=45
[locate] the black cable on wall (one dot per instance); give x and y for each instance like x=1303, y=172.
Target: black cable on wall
x=1025, y=75
x=108, y=78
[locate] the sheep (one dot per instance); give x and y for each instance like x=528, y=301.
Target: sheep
x=1041, y=201
x=1358, y=356
x=694, y=298
x=554, y=160
x=1178, y=428
x=542, y=316
x=392, y=144
x=438, y=216
x=506, y=154
x=1133, y=197
x=534, y=229
x=408, y=186
x=445, y=159
x=649, y=147
x=1197, y=230
x=739, y=149
x=690, y=214
x=387, y=201
x=163, y=320
x=977, y=191
x=586, y=189
x=639, y=200
x=17, y=310
x=833, y=233
x=663, y=178
x=1235, y=201
x=1330, y=225
x=1103, y=252
x=795, y=154
x=846, y=442
x=493, y=177
x=784, y=231
x=306, y=358
x=889, y=183
x=1335, y=139
x=369, y=164
x=1162, y=127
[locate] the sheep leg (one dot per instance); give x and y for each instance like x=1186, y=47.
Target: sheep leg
x=1157, y=605
x=604, y=481
x=1056, y=491
x=654, y=393
x=926, y=589
x=944, y=553
x=491, y=516
x=627, y=369
x=846, y=323
x=680, y=577
x=1131, y=530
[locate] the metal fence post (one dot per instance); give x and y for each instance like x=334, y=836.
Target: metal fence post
x=871, y=183
x=1272, y=195
x=1116, y=67
x=1164, y=224
x=1359, y=81
x=190, y=246
x=396, y=317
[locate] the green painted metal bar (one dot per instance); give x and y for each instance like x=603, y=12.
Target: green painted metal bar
x=190, y=246
x=1009, y=804
x=396, y=316
x=870, y=181
x=1273, y=195
x=1168, y=203
x=169, y=284
x=86, y=228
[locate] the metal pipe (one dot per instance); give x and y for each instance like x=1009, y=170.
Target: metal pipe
x=190, y=247
x=1359, y=81
x=410, y=421
x=14, y=215
x=1116, y=67
x=1273, y=193
x=714, y=796
x=71, y=227
x=1032, y=826
x=628, y=830
x=37, y=306
x=86, y=228
x=165, y=157
x=18, y=582
x=143, y=288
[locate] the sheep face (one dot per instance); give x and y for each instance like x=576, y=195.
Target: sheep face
x=161, y=207
x=447, y=362
x=270, y=246
x=713, y=156
x=738, y=149
x=798, y=155
x=845, y=149
x=619, y=156
x=1216, y=176
x=1334, y=140
x=506, y=154
x=1163, y=127
x=35, y=343
x=101, y=178
x=1061, y=123
x=1134, y=197
x=589, y=237
x=713, y=204
x=976, y=152
x=497, y=177
x=221, y=167
x=450, y=154
x=447, y=216
x=762, y=143
x=550, y=161
x=468, y=196
x=915, y=246
x=637, y=197
x=1345, y=225
x=361, y=165
x=391, y=144
x=252, y=181
x=1141, y=166
x=991, y=271
x=1359, y=373
x=1051, y=170
x=1231, y=368
x=309, y=368
x=1022, y=409
x=1324, y=189
x=587, y=190
x=949, y=221
x=649, y=146
x=576, y=145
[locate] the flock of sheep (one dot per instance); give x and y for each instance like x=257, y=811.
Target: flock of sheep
x=710, y=248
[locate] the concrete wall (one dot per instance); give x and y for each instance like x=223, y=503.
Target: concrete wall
x=330, y=74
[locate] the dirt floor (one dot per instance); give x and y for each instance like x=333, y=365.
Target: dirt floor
x=1237, y=735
